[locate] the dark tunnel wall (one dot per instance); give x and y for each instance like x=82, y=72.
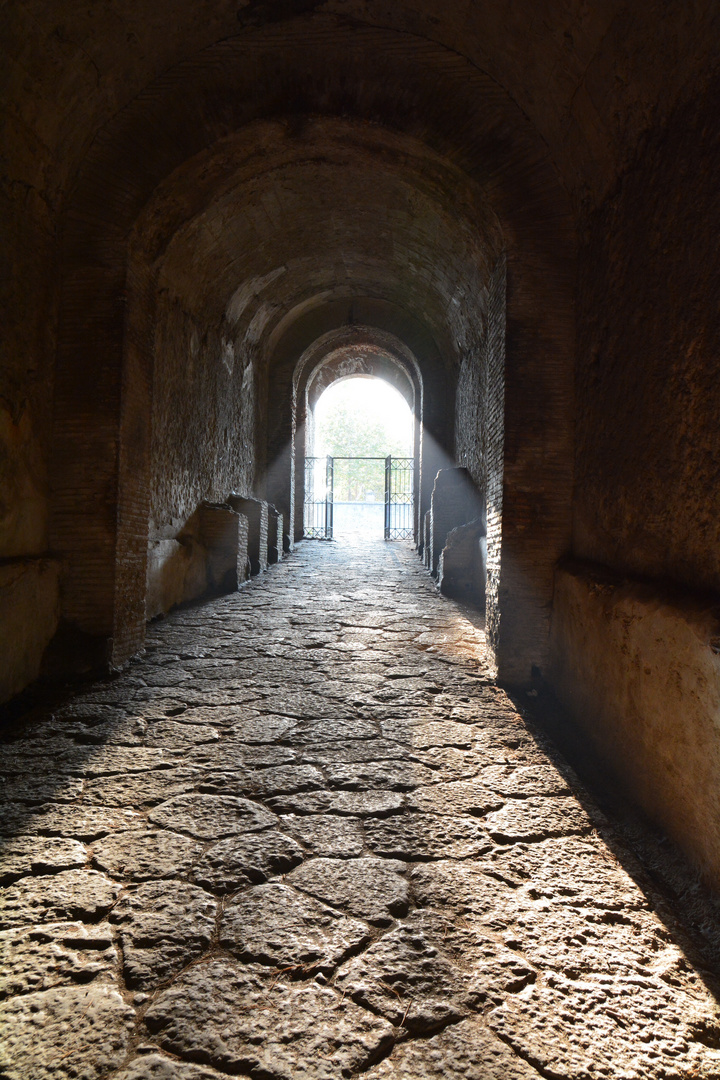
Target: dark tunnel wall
x=636, y=623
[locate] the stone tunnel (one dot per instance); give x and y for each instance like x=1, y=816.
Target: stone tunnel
x=447, y=806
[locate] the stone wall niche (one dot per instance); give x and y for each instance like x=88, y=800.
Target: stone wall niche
x=223, y=533
x=210, y=556
x=639, y=670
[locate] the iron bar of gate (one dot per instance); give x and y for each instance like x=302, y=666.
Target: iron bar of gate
x=329, y=497
x=316, y=514
x=399, y=498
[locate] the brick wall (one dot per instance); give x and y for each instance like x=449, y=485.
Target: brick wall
x=480, y=428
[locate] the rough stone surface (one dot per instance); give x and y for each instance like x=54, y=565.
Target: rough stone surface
x=400, y=878
x=139, y=856
x=339, y=837
x=147, y=790
x=159, y=1067
x=536, y=819
x=27, y=855
x=468, y=1050
x=68, y=894
x=456, y=797
x=79, y=822
x=352, y=803
x=259, y=783
x=246, y=860
x=372, y=889
x=273, y=924
x=34, y=789
x=431, y=970
x=162, y=926
x=55, y=954
x=382, y=774
x=211, y=816
x=78, y=1033
x=236, y=1019
x=426, y=836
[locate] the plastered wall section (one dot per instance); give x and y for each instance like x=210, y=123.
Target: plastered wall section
x=648, y=455
x=640, y=673
x=29, y=613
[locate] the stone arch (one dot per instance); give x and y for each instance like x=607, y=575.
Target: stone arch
x=103, y=386
x=336, y=355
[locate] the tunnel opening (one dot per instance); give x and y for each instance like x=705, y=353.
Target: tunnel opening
x=359, y=462
x=358, y=420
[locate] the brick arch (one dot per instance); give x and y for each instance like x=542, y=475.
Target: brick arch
x=104, y=378
x=324, y=362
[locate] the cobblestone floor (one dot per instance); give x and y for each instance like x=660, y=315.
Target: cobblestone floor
x=307, y=838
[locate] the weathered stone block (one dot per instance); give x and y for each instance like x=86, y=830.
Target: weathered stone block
x=256, y=512
x=274, y=924
x=162, y=925
x=67, y=1033
x=210, y=555
x=455, y=501
x=427, y=540
x=29, y=613
x=268, y=1027
x=36, y=958
x=463, y=563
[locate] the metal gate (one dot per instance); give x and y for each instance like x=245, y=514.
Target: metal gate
x=399, y=498
x=319, y=496
x=318, y=516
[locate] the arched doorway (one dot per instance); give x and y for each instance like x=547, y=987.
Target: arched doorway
x=370, y=356
x=359, y=462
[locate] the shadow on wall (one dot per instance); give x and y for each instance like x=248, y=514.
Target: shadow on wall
x=219, y=548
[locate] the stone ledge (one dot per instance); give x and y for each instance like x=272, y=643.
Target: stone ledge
x=638, y=667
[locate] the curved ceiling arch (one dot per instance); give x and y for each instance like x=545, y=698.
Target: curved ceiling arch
x=360, y=364
x=361, y=209
x=394, y=81
x=565, y=65
x=398, y=81
x=357, y=350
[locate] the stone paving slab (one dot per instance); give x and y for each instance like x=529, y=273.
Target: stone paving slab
x=68, y=894
x=306, y=837
x=70, y=1032
x=238, y=1021
x=55, y=954
x=145, y=855
x=162, y=926
x=246, y=860
x=273, y=924
x=23, y=855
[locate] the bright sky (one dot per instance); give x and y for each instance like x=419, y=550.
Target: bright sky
x=371, y=397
